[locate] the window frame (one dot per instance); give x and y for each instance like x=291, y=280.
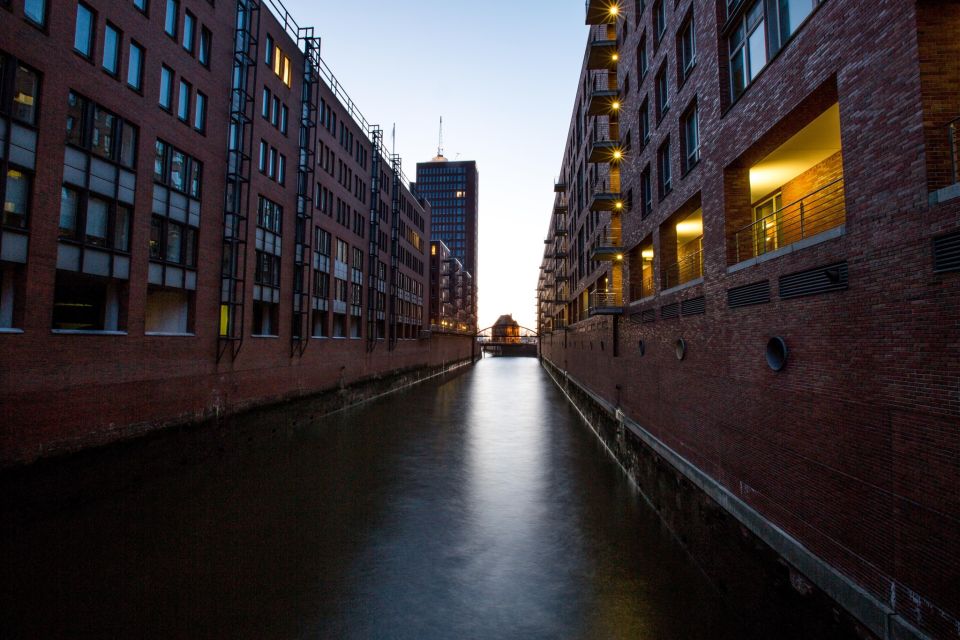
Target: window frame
x=91, y=32
x=45, y=10
x=166, y=71
x=117, y=45
x=140, y=64
x=167, y=26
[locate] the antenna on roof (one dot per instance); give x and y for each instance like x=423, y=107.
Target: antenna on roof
x=440, y=145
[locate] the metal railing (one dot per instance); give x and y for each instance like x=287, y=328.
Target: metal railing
x=954, y=140
x=608, y=240
x=687, y=268
x=604, y=131
x=605, y=182
x=603, y=33
x=606, y=300
x=816, y=212
x=601, y=81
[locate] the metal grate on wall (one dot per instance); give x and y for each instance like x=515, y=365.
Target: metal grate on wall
x=693, y=306
x=832, y=277
x=946, y=253
x=671, y=310
x=749, y=294
x=648, y=315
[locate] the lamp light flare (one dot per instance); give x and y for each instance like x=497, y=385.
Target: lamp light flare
x=614, y=10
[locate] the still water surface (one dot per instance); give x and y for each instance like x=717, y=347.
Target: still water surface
x=479, y=506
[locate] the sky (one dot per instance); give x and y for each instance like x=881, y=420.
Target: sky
x=503, y=75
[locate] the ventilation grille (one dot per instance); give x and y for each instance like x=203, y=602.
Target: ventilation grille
x=671, y=310
x=648, y=315
x=749, y=294
x=946, y=253
x=832, y=277
x=693, y=306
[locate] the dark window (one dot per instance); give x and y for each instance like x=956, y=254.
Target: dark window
x=171, y=18
x=111, y=50
x=663, y=167
x=206, y=38
x=15, y=195
x=94, y=220
x=644, y=122
x=269, y=215
x=189, y=28
x=141, y=5
x=18, y=98
x=690, y=129
x=83, y=35
x=687, y=47
x=166, y=87
x=642, y=63
x=100, y=131
x=663, y=92
x=284, y=118
x=200, y=113
x=183, y=102
x=660, y=18
x=135, y=67
x=177, y=170
x=35, y=11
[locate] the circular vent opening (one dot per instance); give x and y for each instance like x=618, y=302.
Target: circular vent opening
x=681, y=349
x=776, y=353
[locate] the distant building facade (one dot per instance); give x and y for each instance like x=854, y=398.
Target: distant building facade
x=176, y=253
x=452, y=189
x=451, y=292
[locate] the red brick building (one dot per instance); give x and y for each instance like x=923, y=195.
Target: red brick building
x=451, y=292
x=196, y=219
x=753, y=261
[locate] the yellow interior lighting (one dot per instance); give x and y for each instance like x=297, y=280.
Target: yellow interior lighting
x=615, y=106
x=615, y=57
x=614, y=10
x=647, y=254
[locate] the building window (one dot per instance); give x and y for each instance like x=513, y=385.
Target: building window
x=269, y=215
x=642, y=62
x=83, y=302
x=94, y=221
x=135, y=67
x=183, y=103
x=660, y=19
x=663, y=168
x=644, y=121
x=35, y=11
x=687, y=47
x=15, y=195
x=282, y=169
x=83, y=34
x=262, y=162
x=275, y=111
x=104, y=134
x=265, y=104
x=166, y=87
x=663, y=92
x=111, y=50
x=189, y=26
x=18, y=98
x=200, y=113
x=141, y=5
x=171, y=18
x=177, y=170
x=203, y=54
x=690, y=128
x=281, y=64
x=284, y=118
x=268, y=52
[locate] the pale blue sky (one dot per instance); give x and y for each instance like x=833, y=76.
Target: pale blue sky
x=503, y=75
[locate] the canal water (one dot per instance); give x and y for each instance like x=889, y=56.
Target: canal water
x=476, y=506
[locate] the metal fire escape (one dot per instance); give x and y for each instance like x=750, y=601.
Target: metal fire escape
x=396, y=190
x=237, y=194
x=373, y=288
x=303, y=231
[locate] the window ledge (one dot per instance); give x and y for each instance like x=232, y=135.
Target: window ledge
x=947, y=193
x=264, y=335
x=641, y=301
x=681, y=287
x=829, y=234
x=10, y=330
x=86, y=332
x=169, y=334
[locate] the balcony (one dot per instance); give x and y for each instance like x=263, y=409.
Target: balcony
x=603, y=47
x=560, y=254
x=688, y=267
x=560, y=186
x=602, y=11
x=785, y=225
x=605, y=142
x=608, y=247
x=605, y=303
x=605, y=192
x=560, y=206
x=560, y=228
x=603, y=93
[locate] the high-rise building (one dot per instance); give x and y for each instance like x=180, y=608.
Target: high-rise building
x=753, y=258
x=452, y=190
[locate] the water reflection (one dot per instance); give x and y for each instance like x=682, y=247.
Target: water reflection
x=476, y=507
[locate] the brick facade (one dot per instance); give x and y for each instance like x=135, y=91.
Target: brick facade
x=852, y=448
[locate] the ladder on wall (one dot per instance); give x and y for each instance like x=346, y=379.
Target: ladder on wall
x=237, y=193
x=303, y=230
x=373, y=279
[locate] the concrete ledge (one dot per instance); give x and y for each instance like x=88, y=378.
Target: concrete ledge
x=873, y=613
x=947, y=193
x=681, y=287
x=830, y=234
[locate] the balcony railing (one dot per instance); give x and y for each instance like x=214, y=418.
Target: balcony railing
x=560, y=229
x=560, y=206
x=605, y=303
x=560, y=186
x=604, y=93
x=815, y=213
x=603, y=47
x=604, y=141
x=608, y=246
x=688, y=267
x=605, y=192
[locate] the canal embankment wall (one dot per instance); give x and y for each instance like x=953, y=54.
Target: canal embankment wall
x=50, y=407
x=753, y=562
